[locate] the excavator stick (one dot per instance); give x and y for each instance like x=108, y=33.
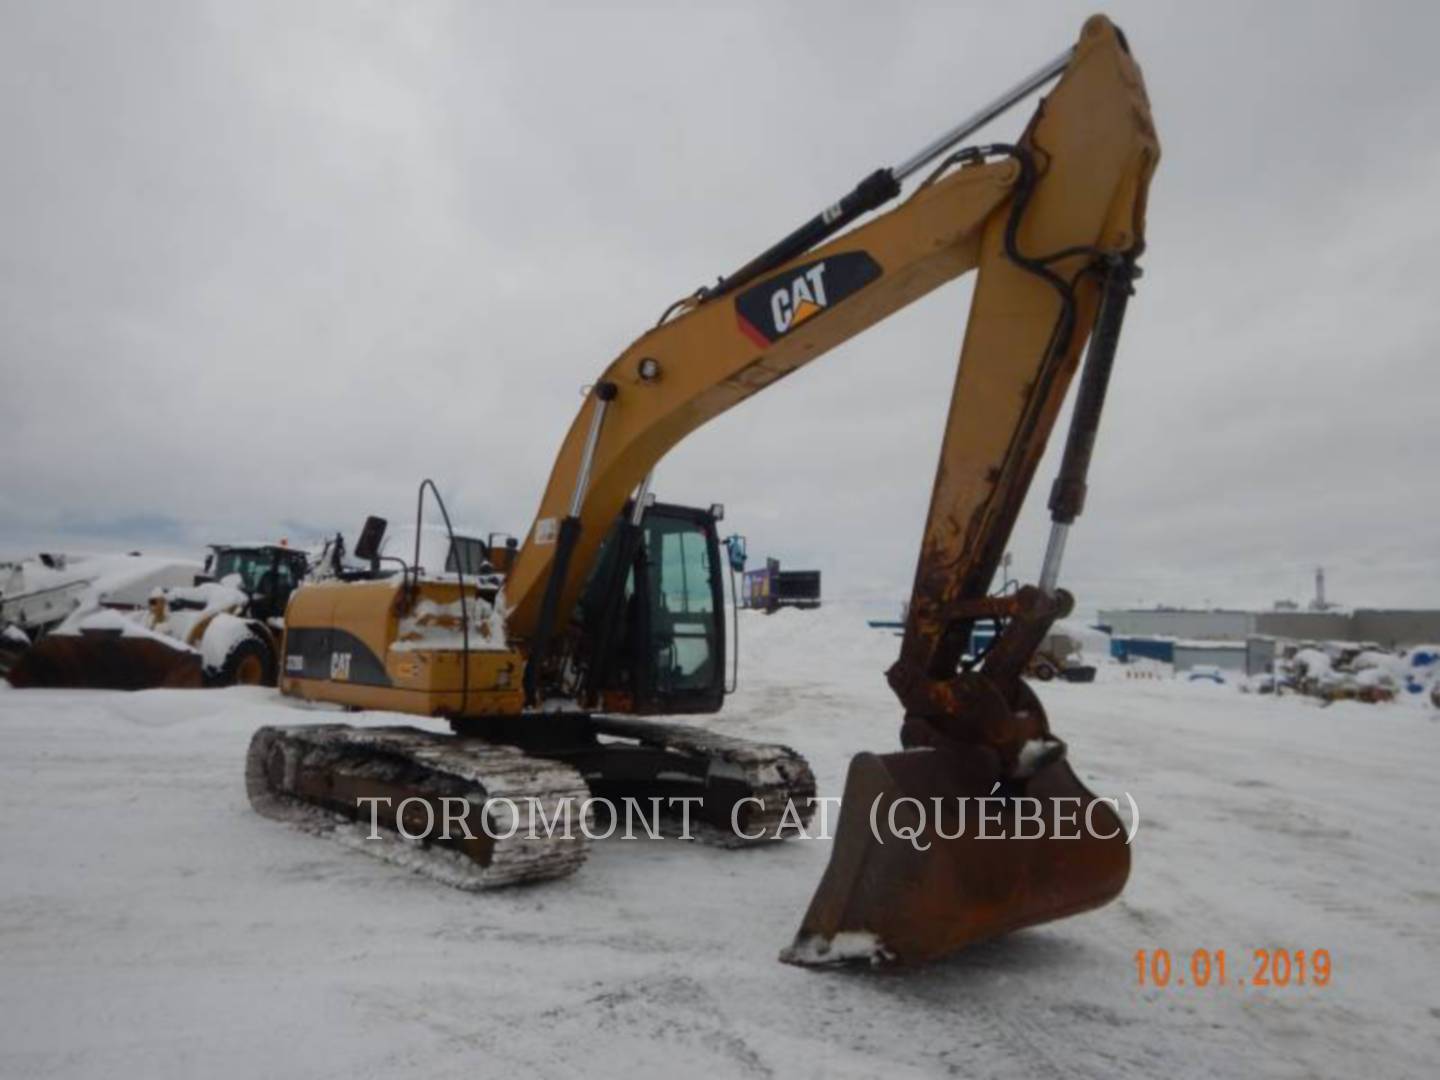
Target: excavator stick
x=980, y=827
x=106, y=661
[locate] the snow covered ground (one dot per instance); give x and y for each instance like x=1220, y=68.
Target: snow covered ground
x=152, y=925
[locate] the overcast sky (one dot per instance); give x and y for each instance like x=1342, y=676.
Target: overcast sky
x=266, y=265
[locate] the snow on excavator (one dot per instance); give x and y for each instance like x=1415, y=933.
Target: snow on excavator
x=545, y=659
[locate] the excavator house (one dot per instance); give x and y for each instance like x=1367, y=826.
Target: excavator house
x=546, y=656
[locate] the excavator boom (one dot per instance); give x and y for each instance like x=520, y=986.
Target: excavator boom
x=1075, y=184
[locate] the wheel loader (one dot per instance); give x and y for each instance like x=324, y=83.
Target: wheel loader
x=222, y=629
x=547, y=665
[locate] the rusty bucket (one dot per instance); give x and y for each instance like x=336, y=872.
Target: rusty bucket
x=909, y=880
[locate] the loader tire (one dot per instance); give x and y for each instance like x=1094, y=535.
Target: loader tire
x=250, y=663
x=1043, y=670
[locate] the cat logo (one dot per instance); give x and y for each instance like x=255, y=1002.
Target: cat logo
x=802, y=299
x=776, y=307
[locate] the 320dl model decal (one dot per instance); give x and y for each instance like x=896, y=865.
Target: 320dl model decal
x=770, y=310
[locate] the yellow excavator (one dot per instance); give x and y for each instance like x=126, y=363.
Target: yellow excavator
x=543, y=655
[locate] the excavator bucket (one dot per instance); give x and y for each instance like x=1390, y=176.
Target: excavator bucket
x=106, y=661
x=935, y=850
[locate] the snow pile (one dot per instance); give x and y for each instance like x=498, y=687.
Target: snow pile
x=43, y=591
x=1313, y=663
x=1368, y=659
x=836, y=631
x=107, y=621
x=187, y=608
x=208, y=596
x=1375, y=678
x=1344, y=670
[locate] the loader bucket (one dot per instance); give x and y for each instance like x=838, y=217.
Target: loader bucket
x=885, y=899
x=105, y=661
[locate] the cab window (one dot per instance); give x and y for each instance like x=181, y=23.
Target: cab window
x=683, y=626
x=250, y=565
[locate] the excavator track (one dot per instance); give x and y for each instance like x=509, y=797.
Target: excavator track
x=477, y=814
x=775, y=775
x=312, y=776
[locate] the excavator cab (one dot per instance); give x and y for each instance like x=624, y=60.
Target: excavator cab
x=650, y=621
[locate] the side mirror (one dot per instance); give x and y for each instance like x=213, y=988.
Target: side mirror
x=368, y=546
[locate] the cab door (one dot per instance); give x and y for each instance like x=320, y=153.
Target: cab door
x=652, y=614
x=685, y=604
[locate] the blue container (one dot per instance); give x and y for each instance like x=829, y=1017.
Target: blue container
x=1126, y=649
